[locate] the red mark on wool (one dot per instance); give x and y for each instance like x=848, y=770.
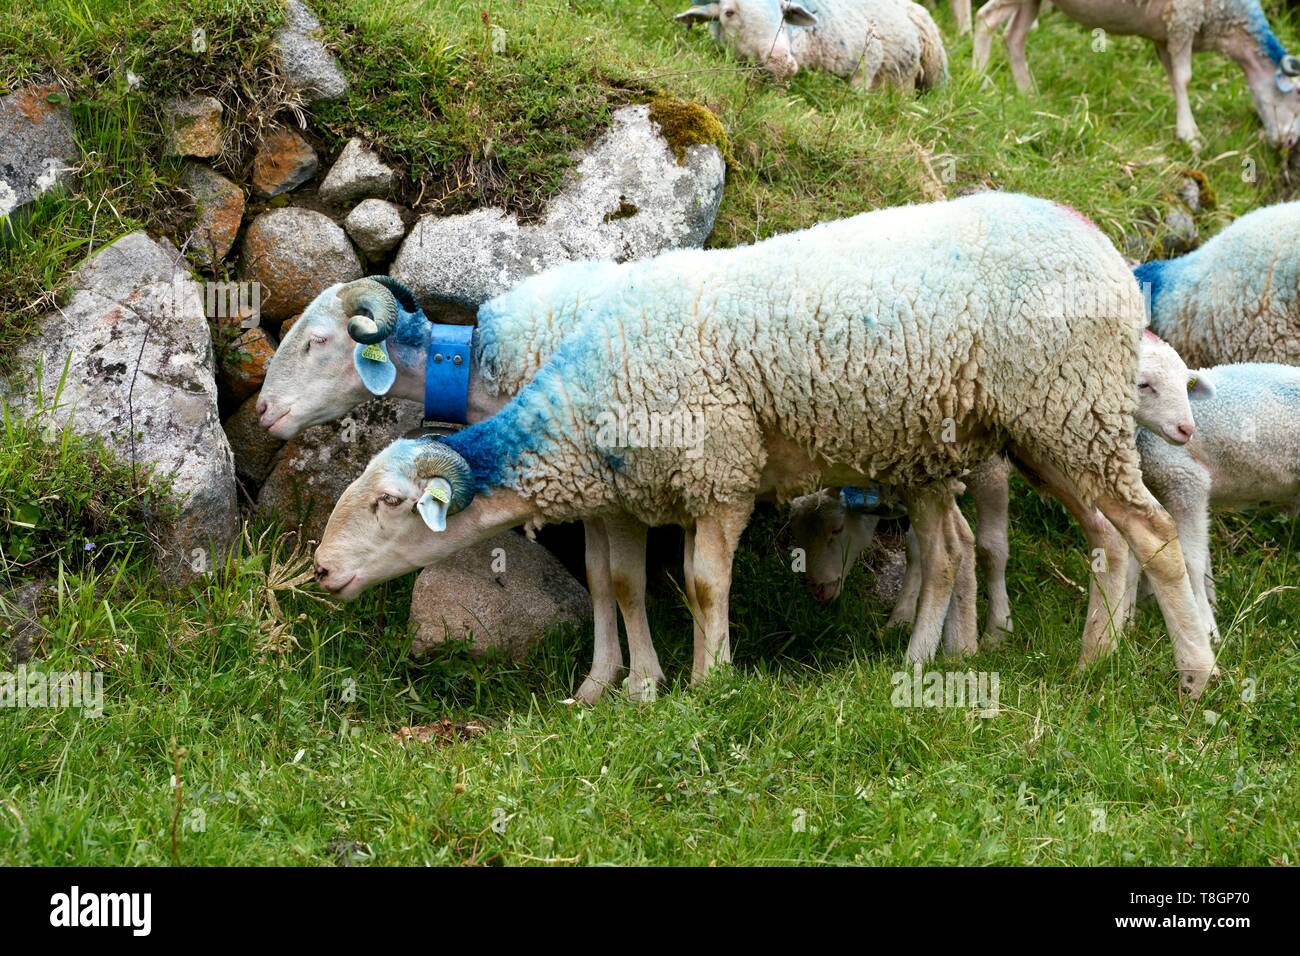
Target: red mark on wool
x=1076, y=214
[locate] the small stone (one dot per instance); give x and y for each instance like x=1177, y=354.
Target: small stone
x=376, y=226
x=296, y=254
x=193, y=126
x=37, y=148
x=284, y=162
x=307, y=64
x=1180, y=236
x=357, y=174
x=220, y=207
x=244, y=364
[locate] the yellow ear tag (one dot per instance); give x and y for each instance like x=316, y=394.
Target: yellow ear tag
x=438, y=493
x=1191, y=384
x=374, y=353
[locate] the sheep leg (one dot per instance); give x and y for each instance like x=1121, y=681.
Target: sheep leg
x=987, y=21
x=1015, y=37
x=929, y=508
x=990, y=488
x=1108, y=559
x=1189, y=508
x=1152, y=535
x=904, y=612
x=693, y=604
x=607, y=659
x=960, y=632
x=961, y=13
x=716, y=536
x=627, y=571
x=1176, y=56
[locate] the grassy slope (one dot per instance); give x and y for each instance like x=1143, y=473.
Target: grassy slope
x=289, y=765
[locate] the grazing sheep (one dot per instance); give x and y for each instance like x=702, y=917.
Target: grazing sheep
x=902, y=346
x=833, y=533
x=1245, y=453
x=876, y=43
x=337, y=356
x=1236, y=28
x=1236, y=298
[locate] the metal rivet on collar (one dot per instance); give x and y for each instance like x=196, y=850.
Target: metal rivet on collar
x=437, y=357
x=456, y=360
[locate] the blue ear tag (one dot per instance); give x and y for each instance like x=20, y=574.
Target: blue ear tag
x=375, y=367
x=433, y=504
x=860, y=499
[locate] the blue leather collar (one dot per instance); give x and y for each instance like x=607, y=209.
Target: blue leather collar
x=446, y=375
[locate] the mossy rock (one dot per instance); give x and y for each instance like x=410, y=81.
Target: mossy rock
x=686, y=124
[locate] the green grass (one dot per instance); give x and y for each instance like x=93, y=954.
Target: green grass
x=280, y=711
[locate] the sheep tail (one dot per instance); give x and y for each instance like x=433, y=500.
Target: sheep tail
x=934, y=59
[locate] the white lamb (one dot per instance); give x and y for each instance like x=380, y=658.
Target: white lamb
x=902, y=346
x=874, y=43
x=1236, y=28
x=1246, y=453
x=1236, y=298
x=833, y=533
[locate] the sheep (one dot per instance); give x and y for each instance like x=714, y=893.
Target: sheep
x=1236, y=298
x=321, y=371
x=872, y=43
x=833, y=532
x=1245, y=453
x=1236, y=28
x=901, y=346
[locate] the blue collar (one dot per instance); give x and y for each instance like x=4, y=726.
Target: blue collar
x=446, y=374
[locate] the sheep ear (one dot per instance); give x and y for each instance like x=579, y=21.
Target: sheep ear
x=1199, y=388
x=434, y=502
x=698, y=14
x=798, y=15
x=375, y=367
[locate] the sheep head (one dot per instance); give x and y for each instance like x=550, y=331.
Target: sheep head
x=335, y=356
x=393, y=518
x=755, y=29
x=1164, y=387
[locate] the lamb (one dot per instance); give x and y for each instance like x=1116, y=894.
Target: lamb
x=873, y=43
x=1245, y=453
x=833, y=532
x=1236, y=28
x=902, y=346
x=1236, y=298
x=337, y=355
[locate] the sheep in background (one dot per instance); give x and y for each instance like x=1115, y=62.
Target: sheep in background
x=1245, y=453
x=1236, y=28
x=902, y=346
x=1236, y=298
x=833, y=533
x=875, y=43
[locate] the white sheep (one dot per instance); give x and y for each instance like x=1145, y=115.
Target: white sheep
x=902, y=346
x=1236, y=298
x=369, y=337
x=1245, y=453
x=833, y=532
x=873, y=43
x=1237, y=29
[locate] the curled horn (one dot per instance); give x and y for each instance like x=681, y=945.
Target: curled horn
x=438, y=460
x=1290, y=65
x=372, y=310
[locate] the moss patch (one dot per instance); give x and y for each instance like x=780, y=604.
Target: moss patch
x=686, y=124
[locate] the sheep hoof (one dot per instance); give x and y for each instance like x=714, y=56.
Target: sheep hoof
x=643, y=688
x=594, y=687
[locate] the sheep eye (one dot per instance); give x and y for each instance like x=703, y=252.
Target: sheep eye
x=1144, y=387
x=838, y=530
x=391, y=500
